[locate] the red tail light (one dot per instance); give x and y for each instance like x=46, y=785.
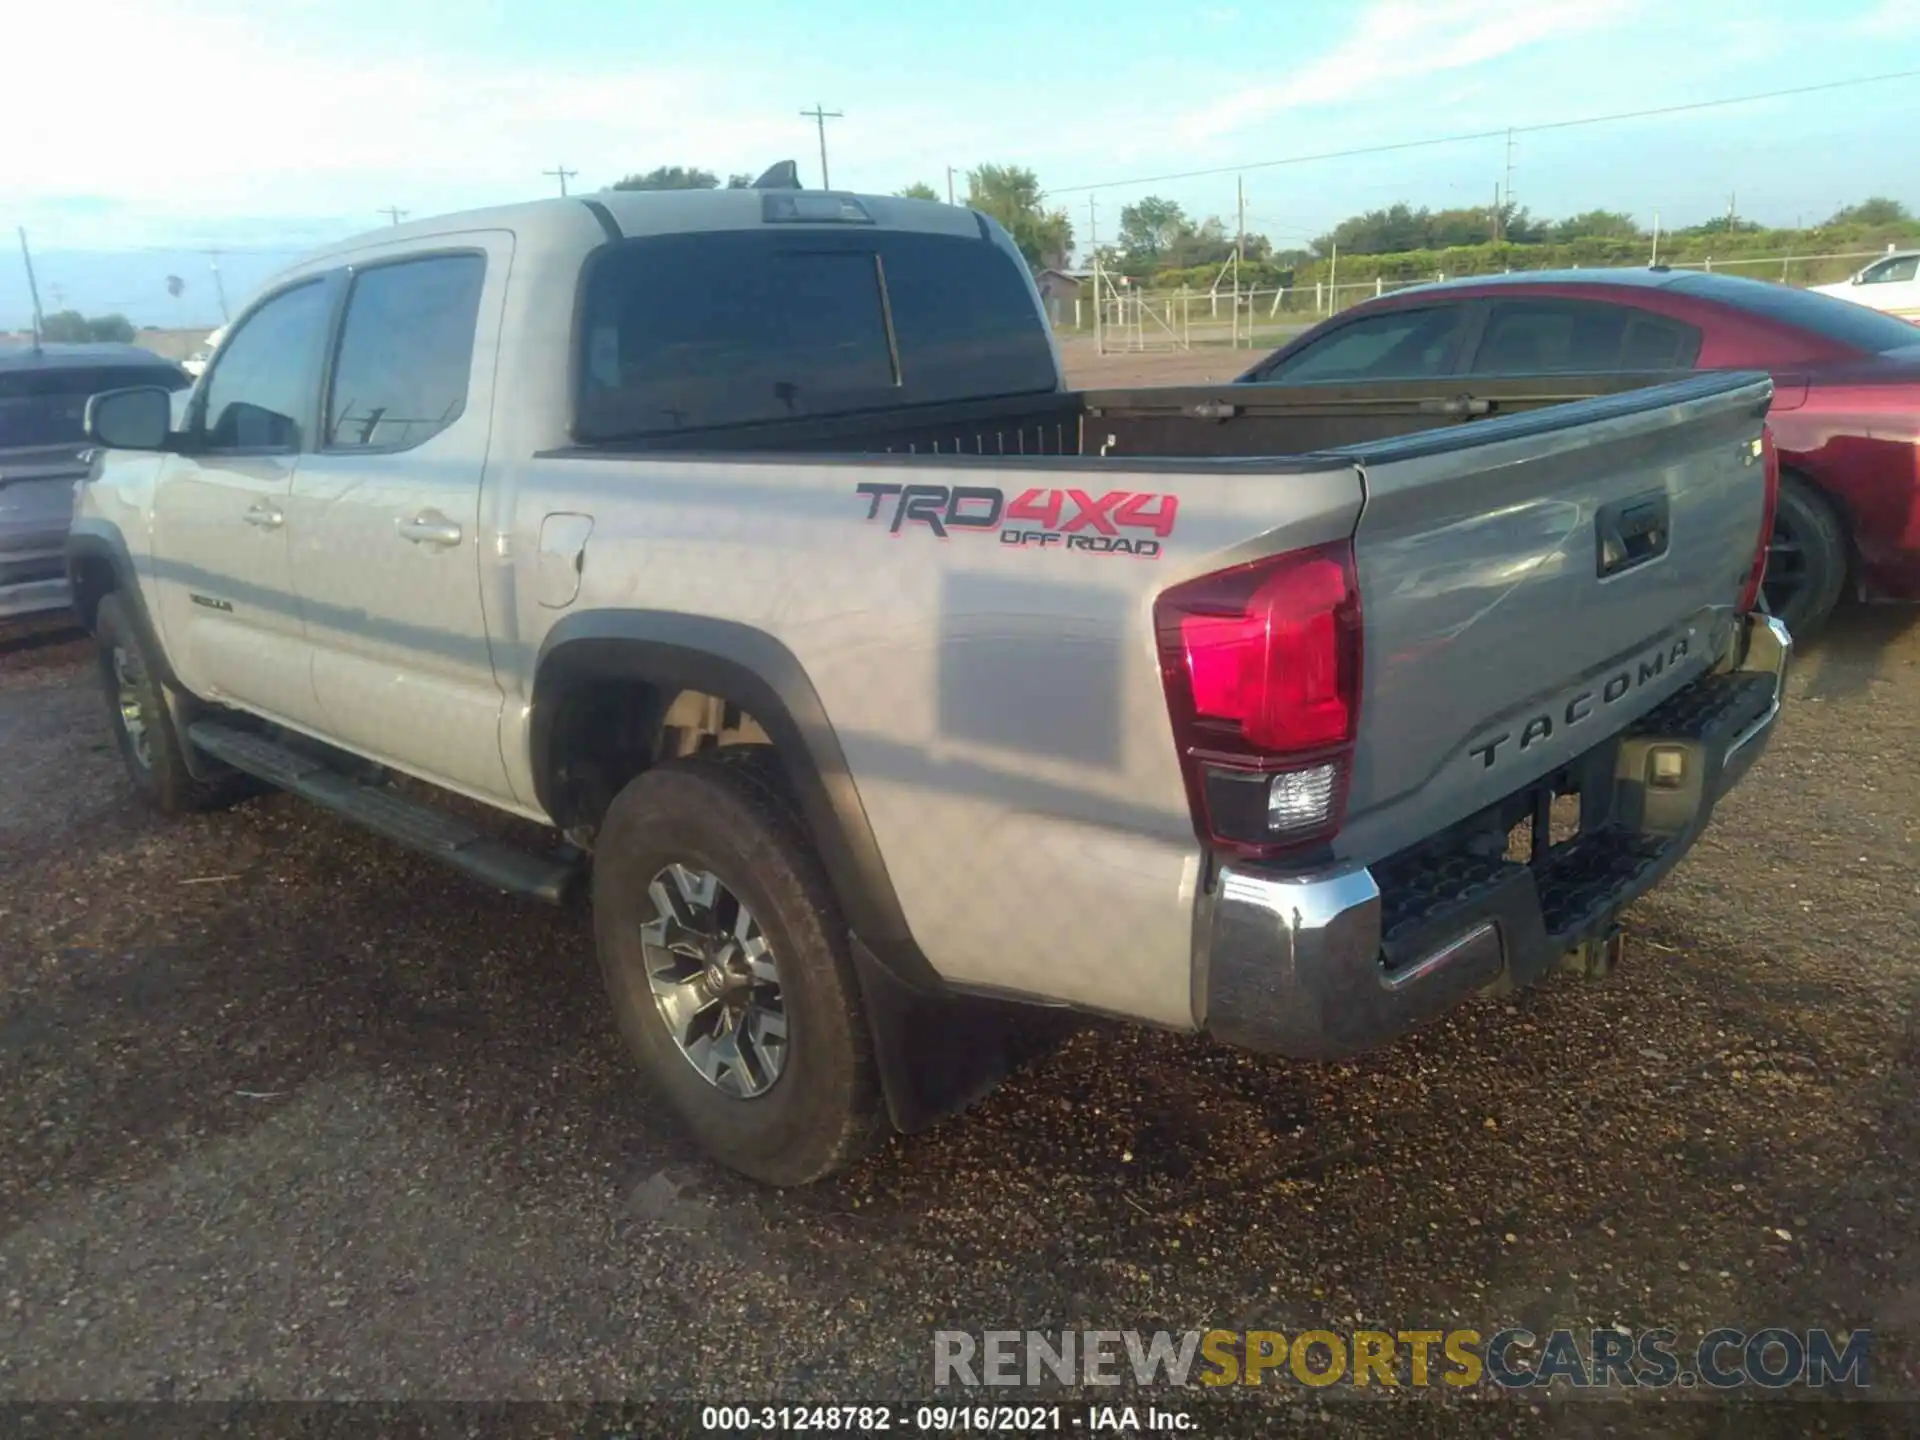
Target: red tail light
x=1770, y=458
x=1262, y=671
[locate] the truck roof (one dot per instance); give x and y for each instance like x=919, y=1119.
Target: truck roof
x=639, y=213
x=65, y=356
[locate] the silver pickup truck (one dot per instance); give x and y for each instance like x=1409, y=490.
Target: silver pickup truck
x=887, y=694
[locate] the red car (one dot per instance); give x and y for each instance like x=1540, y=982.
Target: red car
x=1846, y=408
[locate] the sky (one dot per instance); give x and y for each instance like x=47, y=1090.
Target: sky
x=177, y=126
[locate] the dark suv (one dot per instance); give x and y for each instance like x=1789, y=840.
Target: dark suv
x=43, y=399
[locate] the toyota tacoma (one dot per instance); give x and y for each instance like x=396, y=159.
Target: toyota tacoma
x=885, y=695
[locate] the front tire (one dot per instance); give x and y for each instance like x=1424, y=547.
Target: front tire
x=1806, y=558
x=727, y=963
x=152, y=749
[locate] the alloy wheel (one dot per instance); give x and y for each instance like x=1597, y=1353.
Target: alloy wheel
x=715, y=981
x=129, y=696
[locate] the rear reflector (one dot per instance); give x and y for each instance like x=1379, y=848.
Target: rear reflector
x=1261, y=665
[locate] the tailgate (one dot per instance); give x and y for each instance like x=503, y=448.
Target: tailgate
x=36, y=505
x=1531, y=585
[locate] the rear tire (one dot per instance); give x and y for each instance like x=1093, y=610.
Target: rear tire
x=1806, y=558
x=152, y=749
x=710, y=906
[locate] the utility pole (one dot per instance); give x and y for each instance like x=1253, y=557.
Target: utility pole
x=562, y=174
x=1656, y=240
x=1099, y=296
x=950, y=185
x=394, y=212
x=33, y=289
x=1730, y=213
x=820, y=117
x=219, y=289
x=1496, y=212
x=1240, y=256
x=1240, y=222
x=1506, y=187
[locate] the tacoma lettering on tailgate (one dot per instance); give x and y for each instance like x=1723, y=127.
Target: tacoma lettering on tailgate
x=1584, y=704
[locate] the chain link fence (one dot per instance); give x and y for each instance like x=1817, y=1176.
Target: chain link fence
x=1123, y=318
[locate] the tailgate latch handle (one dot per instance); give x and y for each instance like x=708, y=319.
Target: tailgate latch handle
x=1630, y=532
x=1213, y=410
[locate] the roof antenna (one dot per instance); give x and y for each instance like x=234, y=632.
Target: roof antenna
x=784, y=176
x=33, y=288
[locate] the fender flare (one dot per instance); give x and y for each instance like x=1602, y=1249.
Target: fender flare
x=937, y=1050
x=752, y=668
x=91, y=540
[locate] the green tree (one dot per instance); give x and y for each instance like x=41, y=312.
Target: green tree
x=918, y=190
x=671, y=177
x=70, y=327
x=1596, y=224
x=1011, y=194
x=739, y=182
x=1874, y=210
x=1723, y=225
x=1465, y=225
x=1150, y=229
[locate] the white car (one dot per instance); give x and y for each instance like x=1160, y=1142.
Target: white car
x=1891, y=283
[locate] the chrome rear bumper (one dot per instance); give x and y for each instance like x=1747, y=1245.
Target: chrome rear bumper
x=1338, y=961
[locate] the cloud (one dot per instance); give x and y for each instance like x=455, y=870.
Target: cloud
x=1891, y=20
x=1394, y=42
x=212, y=117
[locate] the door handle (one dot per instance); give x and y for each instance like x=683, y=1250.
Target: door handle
x=430, y=527
x=265, y=515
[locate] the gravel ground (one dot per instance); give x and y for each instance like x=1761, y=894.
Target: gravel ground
x=291, y=1114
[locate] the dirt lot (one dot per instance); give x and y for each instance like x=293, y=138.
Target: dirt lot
x=289, y=1113
x=1089, y=369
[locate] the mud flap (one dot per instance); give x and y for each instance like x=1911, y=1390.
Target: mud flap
x=939, y=1053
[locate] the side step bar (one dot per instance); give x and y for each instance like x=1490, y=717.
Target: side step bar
x=408, y=822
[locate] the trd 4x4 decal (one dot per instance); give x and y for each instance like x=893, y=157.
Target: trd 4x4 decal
x=1118, y=522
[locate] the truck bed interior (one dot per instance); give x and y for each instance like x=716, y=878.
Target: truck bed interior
x=1188, y=421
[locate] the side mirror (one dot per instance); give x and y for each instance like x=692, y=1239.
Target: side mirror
x=140, y=418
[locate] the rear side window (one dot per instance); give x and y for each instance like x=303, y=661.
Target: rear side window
x=47, y=407
x=406, y=348
x=1547, y=337
x=686, y=332
x=1839, y=322
x=1394, y=345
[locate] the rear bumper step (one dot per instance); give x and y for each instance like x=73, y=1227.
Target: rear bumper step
x=419, y=827
x=1328, y=964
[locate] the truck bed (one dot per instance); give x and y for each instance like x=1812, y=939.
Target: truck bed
x=1197, y=421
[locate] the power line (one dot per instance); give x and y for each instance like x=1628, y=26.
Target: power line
x=1503, y=131
x=562, y=174
x=820, y=117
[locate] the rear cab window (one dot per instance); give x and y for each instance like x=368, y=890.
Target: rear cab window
x=699, y=331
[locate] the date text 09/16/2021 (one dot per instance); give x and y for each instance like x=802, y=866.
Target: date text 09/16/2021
x=946, y=1419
